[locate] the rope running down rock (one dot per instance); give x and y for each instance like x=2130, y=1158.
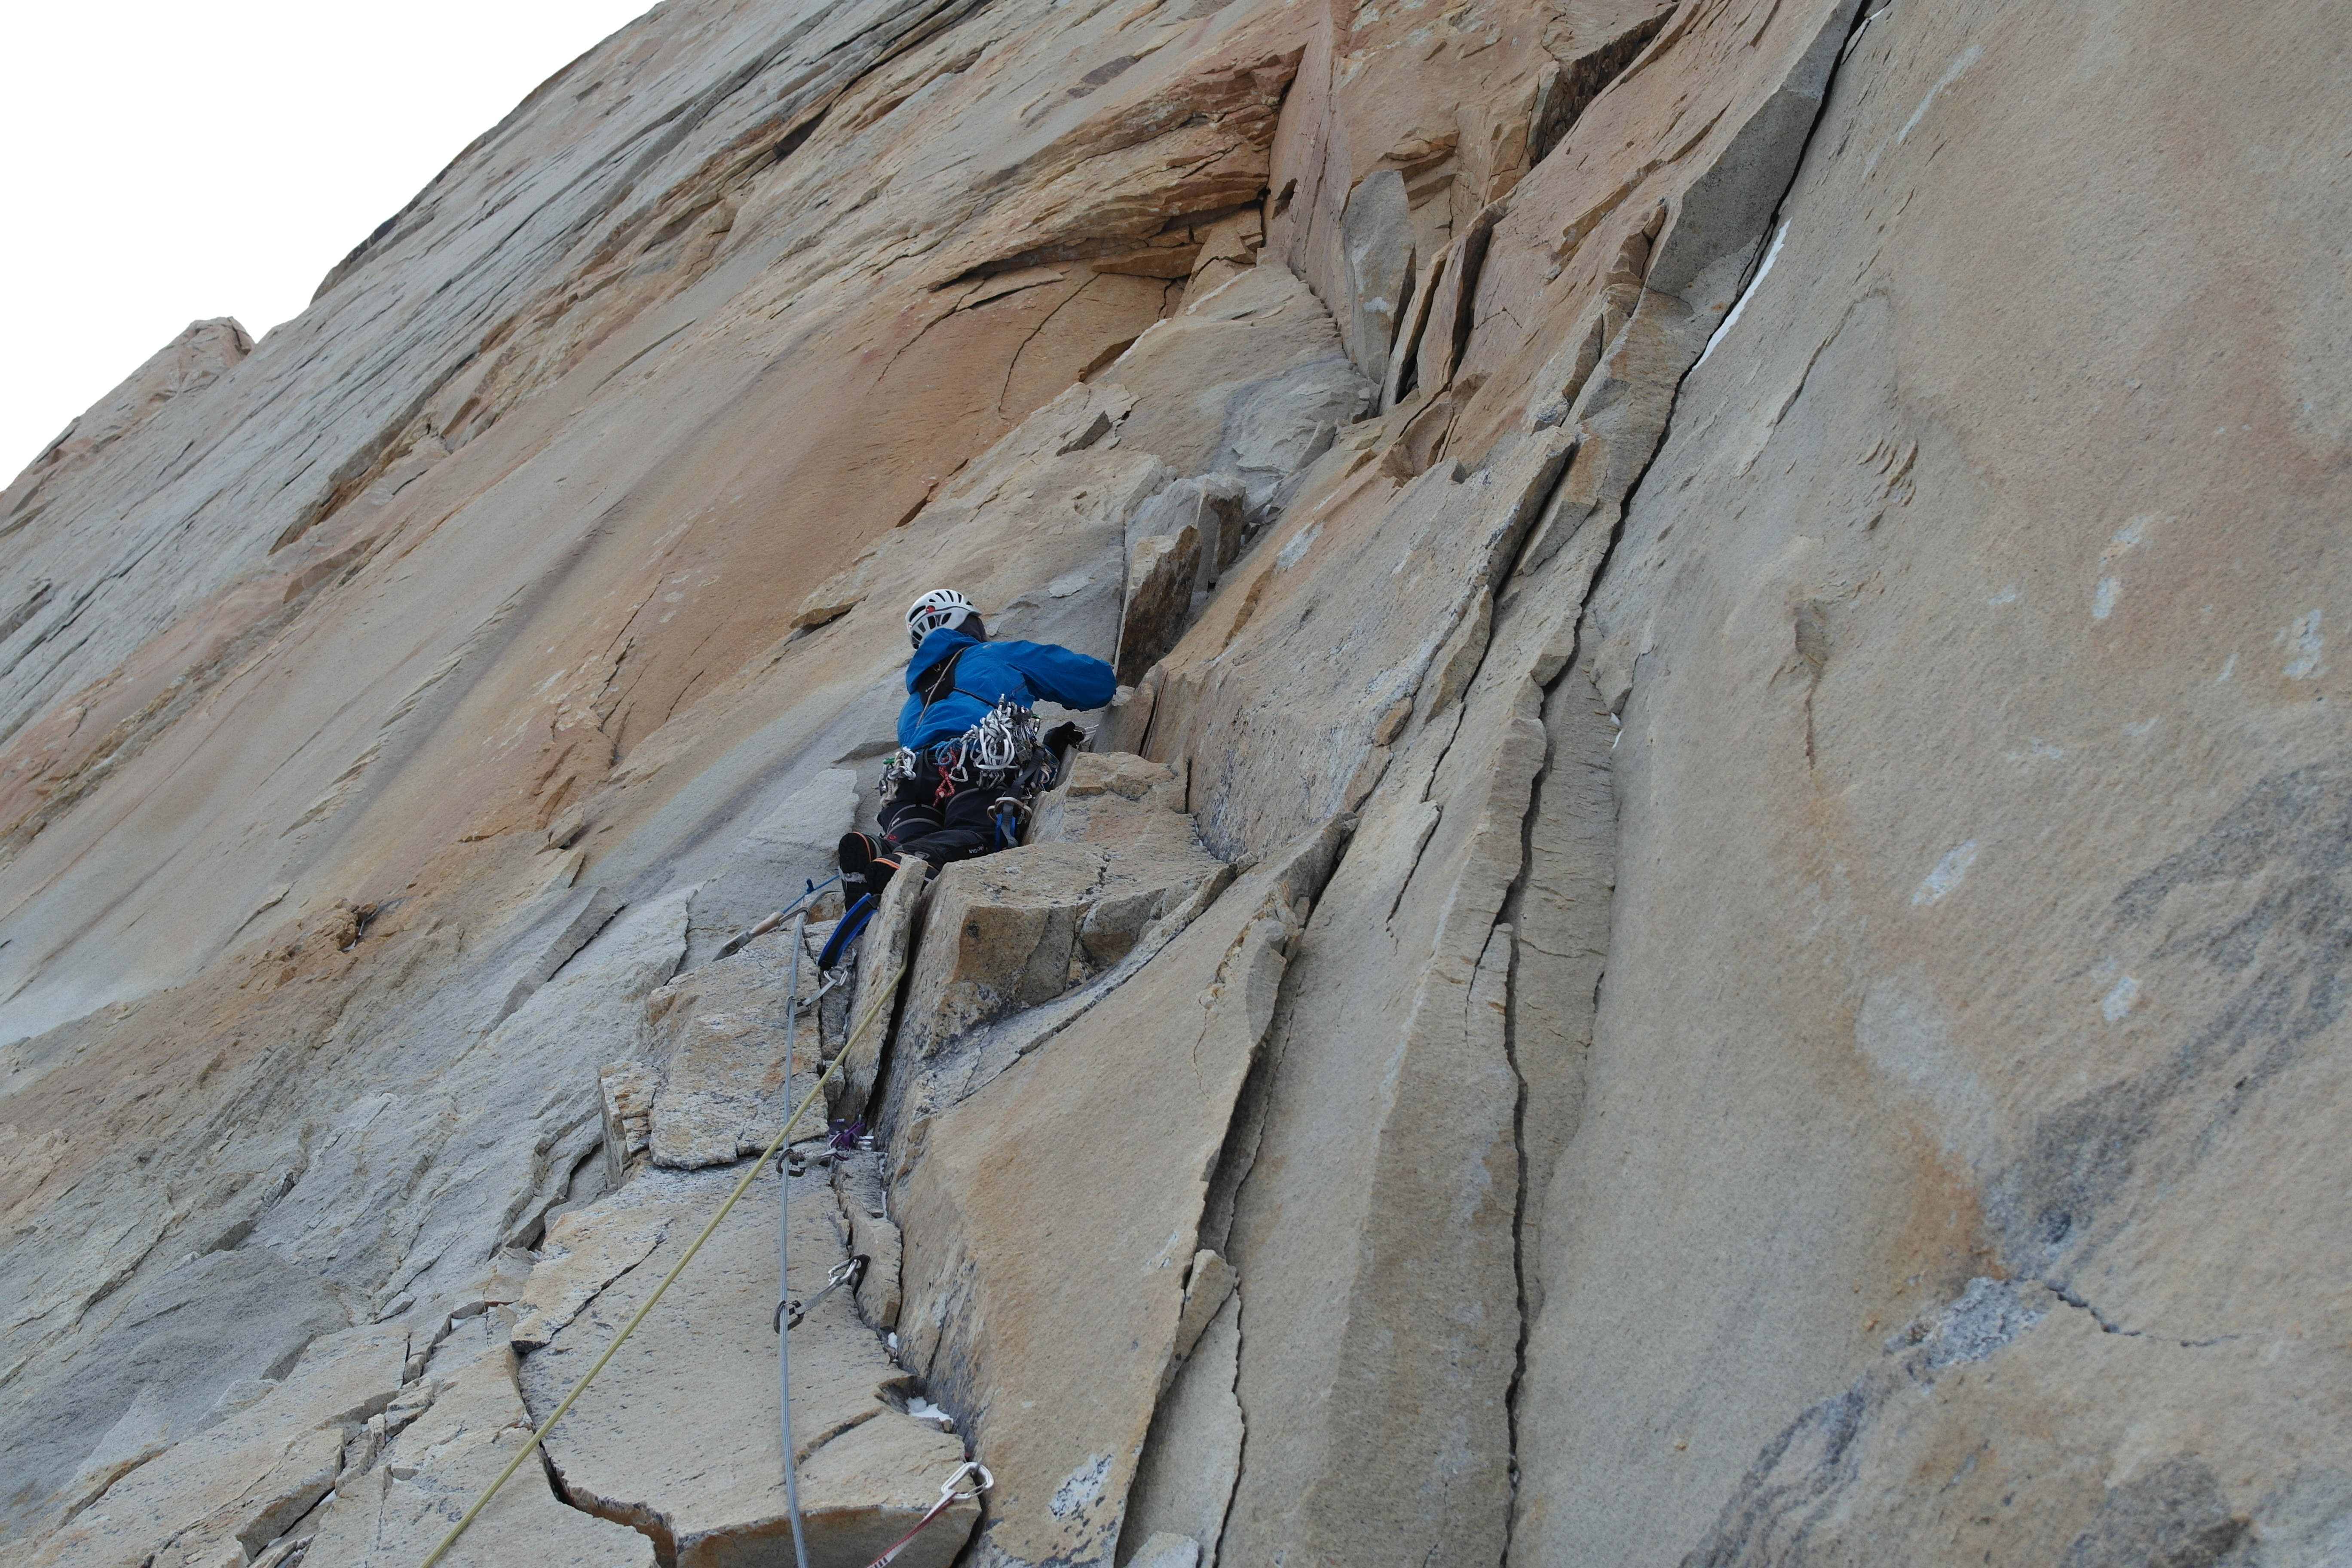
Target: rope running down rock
x=873, y=1011
x=784, y=1243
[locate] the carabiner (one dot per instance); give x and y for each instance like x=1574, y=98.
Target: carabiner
x=949, y=1493
x=852, y=1274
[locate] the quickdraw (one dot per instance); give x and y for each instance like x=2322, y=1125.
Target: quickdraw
x=948, y=1498
x=905, y=763
x=789, y=1314
x=805, y=1003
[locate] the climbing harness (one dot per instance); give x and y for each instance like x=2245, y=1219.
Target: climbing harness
x=948, y=1498
x=906, y=763
x=789, y=1314
x=888, y=990
x=1005, y=751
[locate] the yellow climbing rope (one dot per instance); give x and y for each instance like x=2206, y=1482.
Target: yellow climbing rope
x=889, y=990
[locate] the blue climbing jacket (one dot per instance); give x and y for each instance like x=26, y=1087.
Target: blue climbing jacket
x=989, y=672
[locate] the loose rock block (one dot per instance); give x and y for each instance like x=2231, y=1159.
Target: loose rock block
x=1010, y=932
x=716, y=1042
x=1160, y=571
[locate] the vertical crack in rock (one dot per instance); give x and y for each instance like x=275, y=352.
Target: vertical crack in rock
x=1559, y=911
x=1197, y=1449
x=1432, y=848
x=1563, y=98
x=1004, y=1214
x=1715, y=195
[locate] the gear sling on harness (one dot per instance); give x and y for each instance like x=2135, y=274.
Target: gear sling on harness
x=999, y=765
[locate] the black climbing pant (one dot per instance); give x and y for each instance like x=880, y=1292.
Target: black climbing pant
x=941, y=831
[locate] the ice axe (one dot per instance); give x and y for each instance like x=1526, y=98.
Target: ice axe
x=735, y=943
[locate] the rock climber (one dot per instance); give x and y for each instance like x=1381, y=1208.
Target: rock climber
x=970, y=752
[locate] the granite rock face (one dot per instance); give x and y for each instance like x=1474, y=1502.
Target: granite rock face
x=250, y=1478
x=771, y=867
x=188, y=363
x=1708, y=931
x=2028, y=730
x=1004, y=1193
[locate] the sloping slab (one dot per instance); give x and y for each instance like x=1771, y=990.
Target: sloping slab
x=678, y=1436
x=771, y=864
x=237, y=1486
x=392, y=1514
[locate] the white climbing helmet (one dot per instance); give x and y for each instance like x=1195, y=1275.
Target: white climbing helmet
x=940, y=607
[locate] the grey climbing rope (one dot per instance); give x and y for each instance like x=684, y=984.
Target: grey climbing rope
x=783, y=1255
x=790, y=1313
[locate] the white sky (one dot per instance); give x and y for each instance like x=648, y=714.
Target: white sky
x=167, y=162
